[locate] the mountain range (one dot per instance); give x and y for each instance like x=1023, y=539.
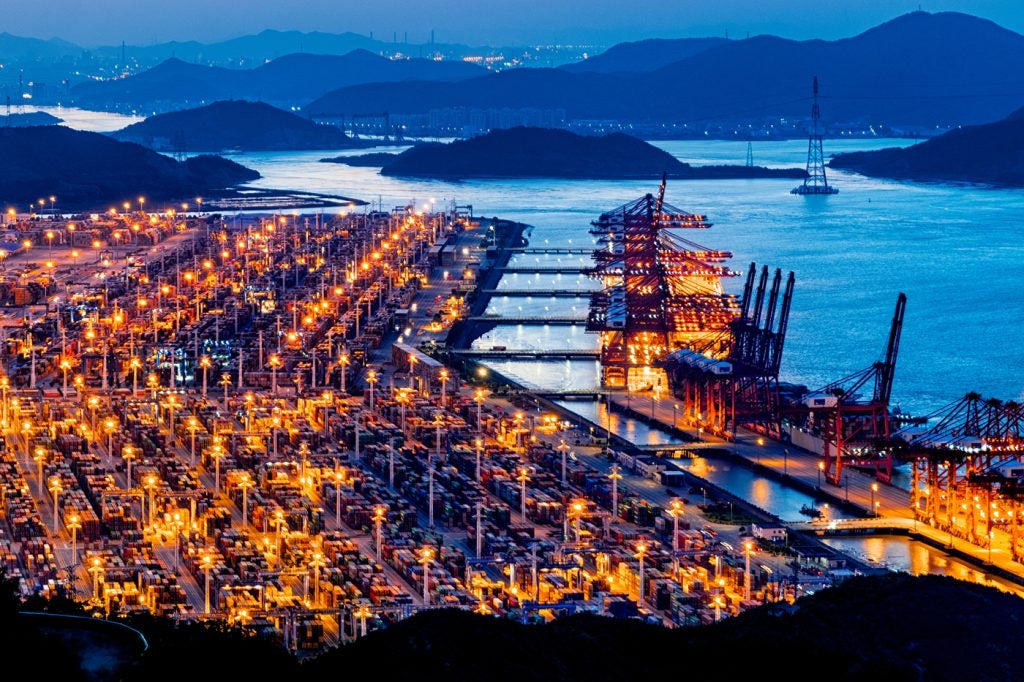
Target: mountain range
x=287, y=81
x=921, y=70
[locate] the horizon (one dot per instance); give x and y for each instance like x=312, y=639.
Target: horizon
x=532, y=25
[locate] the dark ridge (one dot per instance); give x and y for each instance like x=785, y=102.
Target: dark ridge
x=234, y=125
x=992, y=154
x=89, y=170
x=546, y=153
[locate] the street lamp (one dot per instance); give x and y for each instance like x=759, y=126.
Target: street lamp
x=111, y=426
x=343, y=361
x=641, y=550
x=564, y=448
x=615, y=476
x=371, y=379
x=193, y=427
x=56, y=487
x=378, y=519
x=205, y=363
x=135, y=364
x=245, y=482
x=479, y=451
x=426, y=558
x=274, y=362
x=675, y=509
x=479, y=396
x=96, y=569
x=316, y=564
x=444, y=385
x=524, y=476
x=128, y=454
x=207, y=563
x=73, y=522
x=151, y=485
x=39, y=455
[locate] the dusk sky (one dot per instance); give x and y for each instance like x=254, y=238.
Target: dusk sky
x=601, y=22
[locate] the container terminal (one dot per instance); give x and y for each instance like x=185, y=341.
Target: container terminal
x=266, y=420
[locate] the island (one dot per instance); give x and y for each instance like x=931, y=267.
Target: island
x=235, y=125
x=975, y=154
x=526, y=152
x=32, y=118
x=374, y=160
x=89, y=170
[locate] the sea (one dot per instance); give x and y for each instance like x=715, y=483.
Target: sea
x=955, y=250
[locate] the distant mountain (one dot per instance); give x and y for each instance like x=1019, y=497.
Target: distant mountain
x=545, y=153
x=992, y=153
x=17, y=48
x=233, y=125
x=923, y=70
x=644, y=55
x=288, y=81
x=35, y=118
x=89, y=170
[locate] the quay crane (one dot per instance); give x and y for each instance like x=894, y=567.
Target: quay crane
x=855, y=430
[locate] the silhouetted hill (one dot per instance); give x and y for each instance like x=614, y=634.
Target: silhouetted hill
x=992, y=153
x=89, y=170
x=893, y=627
x=923, y=70
x=374, y=160
x=35, y=118
x=289, y=80
x=236, y=125
x=643, y=55
x=32, y=49
x=546, y=153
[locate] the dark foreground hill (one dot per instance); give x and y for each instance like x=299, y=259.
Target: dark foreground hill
x=893, y=627
x=235, y=125
x=547, y=153
x=992, y=153
x=89, y=170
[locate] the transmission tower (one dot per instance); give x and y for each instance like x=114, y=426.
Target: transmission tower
x=815, y=182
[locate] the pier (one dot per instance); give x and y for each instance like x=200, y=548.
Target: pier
x=541, y=293
x=504, y=319
x=546, y=269
x=497, y=354
x=554, y=250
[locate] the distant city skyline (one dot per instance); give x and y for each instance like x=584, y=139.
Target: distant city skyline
x=93, y=23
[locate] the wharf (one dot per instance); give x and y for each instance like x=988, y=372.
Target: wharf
x=567, y=354
x=540, y=293
x=506, y=319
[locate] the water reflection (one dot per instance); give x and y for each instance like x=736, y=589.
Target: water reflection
x=903, y=554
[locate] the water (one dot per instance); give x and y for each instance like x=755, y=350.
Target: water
x=83, y=119
x=954, y=249
x=917, y=558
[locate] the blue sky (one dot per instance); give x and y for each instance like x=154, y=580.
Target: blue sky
x=598, y=22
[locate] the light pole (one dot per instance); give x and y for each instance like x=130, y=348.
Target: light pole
x=748, y=547
x=444, y=386
x=205, y=363
x=39, y=455
x=56, y=487
x=339, y=478
x=128, y=454
x=615, y=476
x=316, y=564
x=207, y=563
x=193, y=427
x=378, y=520
x=426, y=558
x=563, y=448
x=151, y=485
x=479, y=452
x=641, y=550
x=371, y=379
x=274, y=362
x=676, y=509
x=135, y=364
x=245, y=482
x=343, y=361
x=438, y=424
x=523, y=477
x=479, y=397
x=874, y=489
x=821, y=467
x=73, y=523
x=96, y=569
x=430, y=491
x=111, y=427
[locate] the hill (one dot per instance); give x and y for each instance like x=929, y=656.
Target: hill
x=643, y=55
x=288, y=81
x=901, y=73
x=89, y=170
x=546, y=153
x=992, y=153
x=235, y=125
x=35, y=118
